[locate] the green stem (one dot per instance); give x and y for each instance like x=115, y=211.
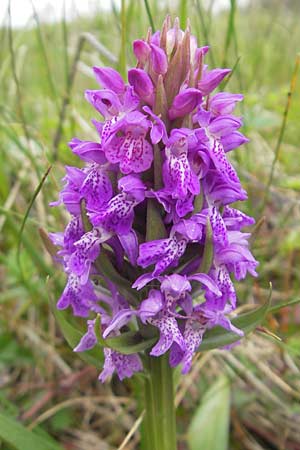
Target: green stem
x=122, y=62
x=160, y=423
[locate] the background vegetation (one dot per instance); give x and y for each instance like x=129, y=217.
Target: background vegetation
x=49, y=398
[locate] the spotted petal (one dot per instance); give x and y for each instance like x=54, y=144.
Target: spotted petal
x=169, y=333
x=96, y=188
x=221, y=163
x=162, y=253
x=124, y=365
x=79, y=297
x=89, y=339
x=87, y=250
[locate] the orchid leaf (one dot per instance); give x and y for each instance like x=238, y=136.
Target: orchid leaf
x=18, y=437
x=209, y=428
x=155, y=225
x=127, y=343
x=104, y=265
x=219, y=337
x=84, y=217
x=208, y=252
x=279, y=306
x=130, y=342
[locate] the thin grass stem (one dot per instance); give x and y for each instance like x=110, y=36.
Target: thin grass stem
x=148, y=10
x=15, y=77
x=282, y=130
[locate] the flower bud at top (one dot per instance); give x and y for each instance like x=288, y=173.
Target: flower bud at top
x=110, y=79
x=211, y=80
x=142, y=84
x=184, y=103
x=142, y=51
x=224, y=103
x=159, y=61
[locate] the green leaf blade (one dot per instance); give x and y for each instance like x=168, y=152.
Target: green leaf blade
x=18, y=437
x=209, y=428
x=219, y=337
x=130, y=342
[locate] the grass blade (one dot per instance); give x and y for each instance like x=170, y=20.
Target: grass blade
x=18, y=437
x=230, y=30
x=15, y=77
x=183, y=13
x=149, y=15
x=44, y=54
x=282, y=129
x=209, y=428
x=35, y=194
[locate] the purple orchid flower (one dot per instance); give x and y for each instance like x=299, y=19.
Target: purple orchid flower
x=118, y=214
x=128, y=145
x=179, y=177
x=157, y=189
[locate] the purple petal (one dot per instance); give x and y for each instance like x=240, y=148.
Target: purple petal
x=224, y=125
x=133, y=151
x=79, y=297
x=190, y=229
x=185, y=205
x=141, y=50
x=130, y=245
x=110, y=79
x=162, y=252
x=218, y=228
x=207, y=281
x=221, y=163
x=235, y=219
x=178, y=176
x=119, y=320
x=117, y=216
x=87, y=250
x=124, y=365
x=142, y=84
x=224, y=322
x=96, y=189
x=193, y=335
x=220, y=192
x=226, y=287
x=131, y=100
x=233, y=140
x=137, y=154
x=169, y=333
x=106, y=102
x=141, y=281
x=73, y=232
x=184, y=103
x=89, y=340
x=88, y=151
x=133, y=185
x=159, y=60
x=151, y=306
x=211, y=80
x=175, y=285
x=158, y=129
x=224, y=103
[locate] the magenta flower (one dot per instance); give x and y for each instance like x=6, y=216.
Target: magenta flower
x=152, y=201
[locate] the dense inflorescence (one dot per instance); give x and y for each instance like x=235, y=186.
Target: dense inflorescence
x=153, y=242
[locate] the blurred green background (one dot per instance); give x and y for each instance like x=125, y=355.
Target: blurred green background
x=49, y=398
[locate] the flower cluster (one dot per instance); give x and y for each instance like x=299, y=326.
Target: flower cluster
x=152, y=206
